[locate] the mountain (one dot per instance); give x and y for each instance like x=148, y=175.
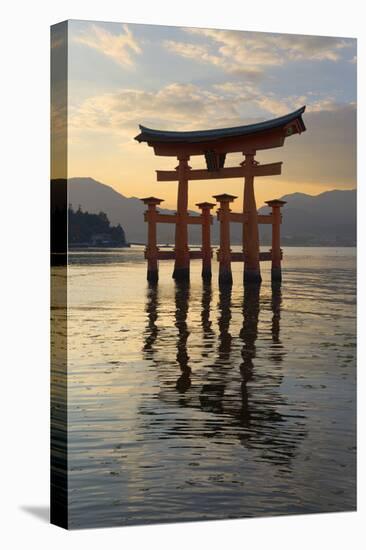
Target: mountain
x=94, y=197
x=327, y=219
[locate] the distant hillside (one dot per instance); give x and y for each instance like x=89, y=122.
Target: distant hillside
x=327, y=219
x=94, y=196
x=87, y=229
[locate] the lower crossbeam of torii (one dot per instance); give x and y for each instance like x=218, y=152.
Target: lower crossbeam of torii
x=214, y=145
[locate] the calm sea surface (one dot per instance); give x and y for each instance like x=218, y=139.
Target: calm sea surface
x=187, y=402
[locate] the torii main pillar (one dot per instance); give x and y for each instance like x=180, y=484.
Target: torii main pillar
x=252, y=271
x=181, y=265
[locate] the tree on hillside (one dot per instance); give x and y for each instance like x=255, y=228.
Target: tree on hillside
x=93, y=228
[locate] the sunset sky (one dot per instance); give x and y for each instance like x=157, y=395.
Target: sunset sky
x=123, y=75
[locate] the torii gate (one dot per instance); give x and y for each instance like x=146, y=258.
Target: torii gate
x=214, y=145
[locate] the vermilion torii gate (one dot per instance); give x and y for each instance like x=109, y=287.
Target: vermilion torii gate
x=214, y=145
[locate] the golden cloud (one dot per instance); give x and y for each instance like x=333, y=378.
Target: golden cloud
x=118, y=47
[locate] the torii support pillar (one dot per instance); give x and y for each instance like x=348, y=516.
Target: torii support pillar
x=224, y=252
x=276, y=271
x=151, y=251
x=252, y=272
x=181, y=266
x=205, y=208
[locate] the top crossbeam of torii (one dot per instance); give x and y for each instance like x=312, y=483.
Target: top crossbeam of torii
x=215, y=144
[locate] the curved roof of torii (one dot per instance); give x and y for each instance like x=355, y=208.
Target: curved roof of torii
x=164, y=136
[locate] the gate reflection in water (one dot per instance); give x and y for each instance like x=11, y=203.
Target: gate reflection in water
x=254, y=419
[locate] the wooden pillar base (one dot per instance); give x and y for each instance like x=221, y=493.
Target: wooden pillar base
x=181, y=273
x=225, y=277
x=206, y=274
x=276, y=274
x=152, y=275
x=252, y=276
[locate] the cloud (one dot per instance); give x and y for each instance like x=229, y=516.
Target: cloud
x=310, y=48
x=249, y=52
x=269, y=102
x=118, y=47
x=330, y=105
x=175, y=106
x=201, y=53
x=237, y=50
